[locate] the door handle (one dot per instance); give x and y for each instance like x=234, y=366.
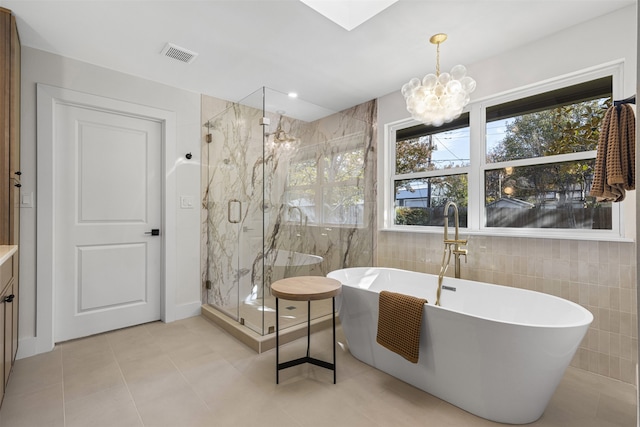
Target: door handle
x=153, y=232
x=234, y=221
x=9, y=298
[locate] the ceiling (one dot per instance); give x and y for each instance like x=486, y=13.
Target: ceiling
x=286, y=45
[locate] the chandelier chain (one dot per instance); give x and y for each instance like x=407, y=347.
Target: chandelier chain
x=438, y=60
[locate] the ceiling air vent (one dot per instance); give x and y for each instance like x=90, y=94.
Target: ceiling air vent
x=179, y=53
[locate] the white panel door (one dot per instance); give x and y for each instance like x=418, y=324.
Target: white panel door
x=107, y=200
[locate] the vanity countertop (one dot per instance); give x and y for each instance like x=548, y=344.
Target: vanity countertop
x=6, y=251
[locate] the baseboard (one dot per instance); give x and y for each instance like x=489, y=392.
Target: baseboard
x=27, y=347
x=191, y=309
x=32, y=346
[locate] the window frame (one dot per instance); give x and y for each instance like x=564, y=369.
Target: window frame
x=435, y=173
x=339, y=145
x=478, y=164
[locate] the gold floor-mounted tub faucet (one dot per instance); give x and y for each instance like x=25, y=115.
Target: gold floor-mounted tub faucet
x=456, y=242
x=451, y=247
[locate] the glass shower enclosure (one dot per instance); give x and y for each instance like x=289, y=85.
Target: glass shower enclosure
x=288, y=191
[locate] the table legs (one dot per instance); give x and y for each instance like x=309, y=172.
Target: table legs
x=307, y=358
x=277, y=344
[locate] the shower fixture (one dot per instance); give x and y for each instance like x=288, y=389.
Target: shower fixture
x=280, y=139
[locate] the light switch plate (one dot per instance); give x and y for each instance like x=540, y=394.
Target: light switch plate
x=186, y=202
x=26, y=200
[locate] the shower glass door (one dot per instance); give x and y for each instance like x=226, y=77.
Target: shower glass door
x=233, y=213
x=290, y=191
x=250, y=155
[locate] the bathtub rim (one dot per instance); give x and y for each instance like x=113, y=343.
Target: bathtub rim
x=587, y=321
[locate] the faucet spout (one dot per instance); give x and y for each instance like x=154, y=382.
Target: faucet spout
x=456, y=222
x=456, y=242
x=296, y=208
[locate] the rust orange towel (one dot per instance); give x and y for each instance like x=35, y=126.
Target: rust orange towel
x=399, y=320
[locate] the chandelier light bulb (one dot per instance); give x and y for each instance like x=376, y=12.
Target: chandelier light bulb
x=438, y=98
x=280, y=140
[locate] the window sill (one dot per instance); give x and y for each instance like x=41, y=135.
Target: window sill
x=327, y=227
x=604, y=236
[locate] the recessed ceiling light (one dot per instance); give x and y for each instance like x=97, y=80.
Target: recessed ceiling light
x=292, y=95
x=348, y=13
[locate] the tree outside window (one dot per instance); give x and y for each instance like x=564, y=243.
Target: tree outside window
x=541, y=192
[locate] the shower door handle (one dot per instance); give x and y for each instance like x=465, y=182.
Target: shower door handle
x=234, y=221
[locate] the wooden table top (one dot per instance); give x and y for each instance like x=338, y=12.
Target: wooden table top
x=306, y=288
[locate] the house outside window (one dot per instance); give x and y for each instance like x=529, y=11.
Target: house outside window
x=431, y=168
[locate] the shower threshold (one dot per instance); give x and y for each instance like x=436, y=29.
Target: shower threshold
x=261, y=343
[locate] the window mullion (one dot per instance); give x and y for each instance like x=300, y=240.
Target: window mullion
x=432, y=174
x=560, y=158
x=477, y=149
x=390, y=171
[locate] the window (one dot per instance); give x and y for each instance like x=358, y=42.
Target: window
x=328, y=188
x=431, y=168
x=540, y=157
x=521, y=161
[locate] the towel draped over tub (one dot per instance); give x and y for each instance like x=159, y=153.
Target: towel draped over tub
x=399, y=322
x=615, y=170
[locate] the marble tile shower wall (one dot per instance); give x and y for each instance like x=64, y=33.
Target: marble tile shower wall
x=600, y=276
x=233, y=178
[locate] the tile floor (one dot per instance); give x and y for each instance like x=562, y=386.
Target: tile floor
x=191, y=373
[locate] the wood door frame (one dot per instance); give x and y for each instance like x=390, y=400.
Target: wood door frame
x=47, y=99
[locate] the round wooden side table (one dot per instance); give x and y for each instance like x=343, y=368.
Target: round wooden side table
x=306, y=288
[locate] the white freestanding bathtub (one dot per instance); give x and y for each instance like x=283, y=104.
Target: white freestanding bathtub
x=495, y=351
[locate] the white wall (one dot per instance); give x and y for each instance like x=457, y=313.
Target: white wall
x=608, y=38
x=43, y=67
x=600, y=41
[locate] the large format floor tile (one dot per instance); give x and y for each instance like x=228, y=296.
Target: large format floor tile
x=191, y=373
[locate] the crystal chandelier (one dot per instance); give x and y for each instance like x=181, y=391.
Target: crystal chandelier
x=438, y=98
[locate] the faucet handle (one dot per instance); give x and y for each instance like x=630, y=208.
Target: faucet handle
x=461, y=252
